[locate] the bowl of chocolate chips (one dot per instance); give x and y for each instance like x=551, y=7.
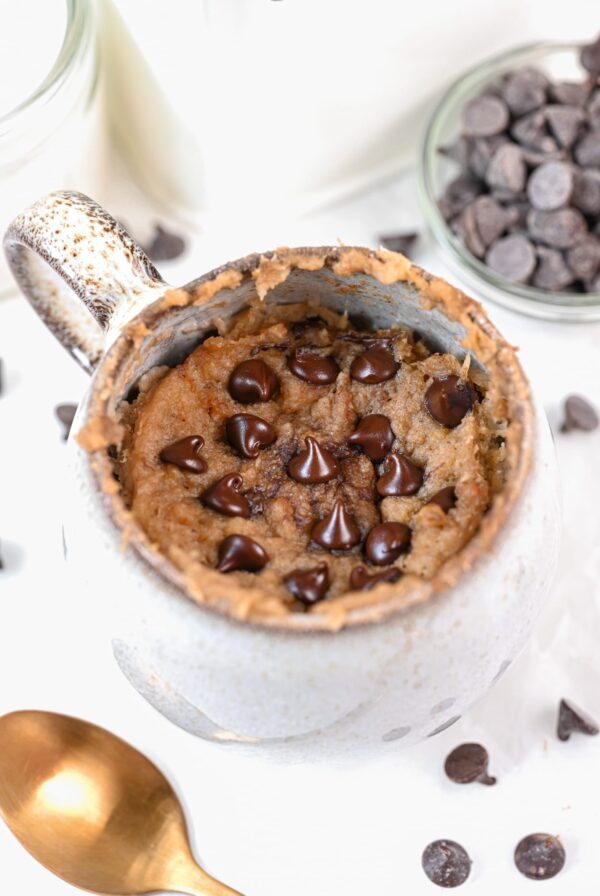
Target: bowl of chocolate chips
x=510, y=179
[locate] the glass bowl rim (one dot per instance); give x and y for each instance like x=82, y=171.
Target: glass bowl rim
x=480, y=74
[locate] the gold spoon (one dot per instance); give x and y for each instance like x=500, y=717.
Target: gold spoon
x=93, y=810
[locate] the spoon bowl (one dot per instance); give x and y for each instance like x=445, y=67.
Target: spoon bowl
x=93, y=810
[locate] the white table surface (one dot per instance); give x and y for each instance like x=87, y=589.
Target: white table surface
x=346, y=828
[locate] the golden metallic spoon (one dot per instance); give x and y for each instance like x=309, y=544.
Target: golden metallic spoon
x=93, y=810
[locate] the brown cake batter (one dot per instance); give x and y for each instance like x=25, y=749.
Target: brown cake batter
x=309, y=459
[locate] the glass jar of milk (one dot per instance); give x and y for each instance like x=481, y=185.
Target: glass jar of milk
x=48, y=75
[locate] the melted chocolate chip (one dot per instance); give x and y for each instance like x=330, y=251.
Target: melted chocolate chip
x=448, y=399
x=386, y=541
x=338, y=530
x=571, y=719
x=401, y=476
x=446, y=863
x=66, y=414
x=374, y=435
x=247, y=434
x=360, y=580
x=252, y=381
x=467, y=763
x=309, y=585
x=314, y=464
x=375, y=365
x=240, y=552
x=319, y=370
x=185, y=454
x=445, y=498
x=224, y=496
x=540, y=856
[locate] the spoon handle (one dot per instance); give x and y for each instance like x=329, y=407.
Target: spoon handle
x=196, y=882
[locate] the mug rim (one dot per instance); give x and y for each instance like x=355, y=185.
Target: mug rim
x=384, y=602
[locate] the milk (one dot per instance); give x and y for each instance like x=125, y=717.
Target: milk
x=31, y=35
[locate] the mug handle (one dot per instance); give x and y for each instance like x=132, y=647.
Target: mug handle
x=80, y=270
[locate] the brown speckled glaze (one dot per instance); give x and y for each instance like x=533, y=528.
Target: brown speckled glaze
x=97, y=263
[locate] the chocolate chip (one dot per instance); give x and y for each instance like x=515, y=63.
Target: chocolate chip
x=586, y=191
x=561, y=229
x=570, y=93
x=185, y=454
x=468, y=763
x=248, y=434
x=165, y=246
x=445, y=498
x=314, y=464
x=531, y=131
x=590, y=57
x=552, y=273
x=584, y=258
x=238, y=552
x=360, y=580
x=470, y=232
x=400, y=476
x=485, y=116
x=525, y=90
x=308, y=323
x=579, y=414
x=587, y=150
x=507, y=169
x=224, y=496
x=386, y=541
x=492, y=219
x=458, y=194
x=398, y=242
x=253, y=381
x=65, y=413
x=565, y=123
x=446, y=863
x=337, y=531
x=374, y=366
x=571, y=719
x=448, y=399
x=374, y=435
x=319, y=370
x=308, y=585
x=512, y=257
x=540, y=856
x=550, y=186
x=458, y=151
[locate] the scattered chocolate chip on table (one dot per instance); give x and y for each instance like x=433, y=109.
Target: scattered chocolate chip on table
x=571, y=719
x=446, y=863
x=165, y=245
x=468, y=763
x=540, y=856
x=527, y=198
x=579, y=414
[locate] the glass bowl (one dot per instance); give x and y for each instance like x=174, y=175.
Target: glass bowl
x=559, y=61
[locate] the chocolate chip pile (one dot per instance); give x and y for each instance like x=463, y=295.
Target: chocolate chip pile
x=527, y=201
x=316, y=458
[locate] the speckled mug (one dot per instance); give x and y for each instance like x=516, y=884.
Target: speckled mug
x=396, y=671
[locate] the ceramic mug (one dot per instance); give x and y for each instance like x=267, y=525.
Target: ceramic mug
x=393, y=672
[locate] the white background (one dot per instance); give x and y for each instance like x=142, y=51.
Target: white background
x=265, y=827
